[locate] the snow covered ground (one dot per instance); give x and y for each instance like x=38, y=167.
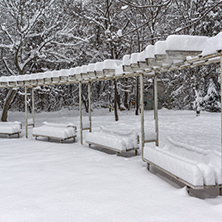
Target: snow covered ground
x=49, y=181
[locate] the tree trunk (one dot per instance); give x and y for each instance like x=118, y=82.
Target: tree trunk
x=8, y=100
x=86, y=105
x=137, y=96
x=115, y=101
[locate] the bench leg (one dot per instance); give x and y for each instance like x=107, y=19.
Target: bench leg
x=148, y=166
x=220, y=191
x=188, y=189
x=135, y=152
x=90, y=145
x=18, y=135
x=117, y=153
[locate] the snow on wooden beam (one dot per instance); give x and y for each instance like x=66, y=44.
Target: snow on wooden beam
x=4, y=81
x=213, y=45
x=213, y=60
x=20, y=82
x=109, y=66
x=48, y=78
x=99, y=69
x=126, y=64
x=141, y=60
x=33, y=80
x=27, y=81
x=160, y=51
x=176, y=53
x=72, y=77
x=64, y=76
x=149, y=55
x=40, y=79
x=12, y=81
x=180, y=46
x=55, y=77
x=91, y=70
x=134, y=61
x=84, y=69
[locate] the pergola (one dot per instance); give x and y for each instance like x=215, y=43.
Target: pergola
x=177, y=52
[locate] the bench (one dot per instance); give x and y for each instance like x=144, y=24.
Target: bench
x=116, y=140
x=10, y=128
x=55, y=131
x=196, y=168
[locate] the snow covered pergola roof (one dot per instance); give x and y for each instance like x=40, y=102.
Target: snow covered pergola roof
x=175, y=53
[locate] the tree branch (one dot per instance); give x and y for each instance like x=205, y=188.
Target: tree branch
x=145, y=6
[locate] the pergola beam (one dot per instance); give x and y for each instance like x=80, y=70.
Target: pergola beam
x=76, y=78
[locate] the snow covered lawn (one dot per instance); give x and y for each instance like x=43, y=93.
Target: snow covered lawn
x=48, y=181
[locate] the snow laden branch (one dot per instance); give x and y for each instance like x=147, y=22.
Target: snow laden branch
x=7, y=67
x=197, y=20
x=91, y=19
x=131, y=4
x=4, y=29
x=59, y=57
x=31, y=23
x=21, y=12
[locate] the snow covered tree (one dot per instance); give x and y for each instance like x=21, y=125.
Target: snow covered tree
x=105, y=16
x=44, y=35
x=189, y=87
x=36, y=36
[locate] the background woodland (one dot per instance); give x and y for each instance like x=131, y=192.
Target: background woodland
x=41, y=35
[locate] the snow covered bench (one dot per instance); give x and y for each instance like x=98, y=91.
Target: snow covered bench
x=116, y=140
x=10, y=128
x=194, y=167
x=55, y=131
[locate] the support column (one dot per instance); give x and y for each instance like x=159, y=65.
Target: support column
x=26, y=114
x=80, y=111
x=221, y=107
x=89, y=98
x=33, y=108
x=156, y=110
x=142, y=113
x=154, y=98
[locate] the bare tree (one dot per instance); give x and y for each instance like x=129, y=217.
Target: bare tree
x=35, y=36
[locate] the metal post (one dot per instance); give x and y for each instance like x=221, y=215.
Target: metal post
x=221, y=104
x=142, y=113
x=89, y=98
x=33, y=108
x=156, y=110
x=80, y=111
x=26, y=114
x=153, y=99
